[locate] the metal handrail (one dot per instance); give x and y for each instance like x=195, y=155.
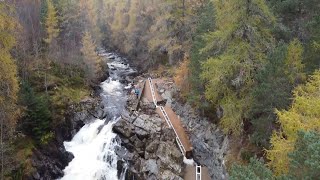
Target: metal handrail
x=198, y=172
x=166, y=117
x=153, y=94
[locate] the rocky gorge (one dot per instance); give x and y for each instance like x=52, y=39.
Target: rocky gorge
x=144, y=146
x=150, y=146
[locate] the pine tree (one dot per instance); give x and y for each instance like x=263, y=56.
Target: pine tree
x=304, y=160
x=37, y=120
x=206, y=24
x=239, y=46
x=303, y=115
x=273, y=90
x=254, y=170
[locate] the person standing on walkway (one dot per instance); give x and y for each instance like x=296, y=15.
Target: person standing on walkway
x=137, y=92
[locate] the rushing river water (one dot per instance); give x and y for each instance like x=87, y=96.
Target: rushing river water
x=94, y=145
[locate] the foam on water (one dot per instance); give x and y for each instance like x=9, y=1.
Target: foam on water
x=93, y=150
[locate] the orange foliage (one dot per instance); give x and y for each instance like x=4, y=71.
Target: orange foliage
x=181, y=77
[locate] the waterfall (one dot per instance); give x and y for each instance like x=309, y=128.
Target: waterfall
x=93, y=150
x=94, y=145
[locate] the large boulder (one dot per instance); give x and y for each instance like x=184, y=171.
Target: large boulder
x=123, y=128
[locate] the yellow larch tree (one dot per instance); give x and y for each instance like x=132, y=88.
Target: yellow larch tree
x=9, y=86
x=293, y=61
x=303, y=115
x=51, y=23
x=239, y=46
x=8, y=70
x=91, y=59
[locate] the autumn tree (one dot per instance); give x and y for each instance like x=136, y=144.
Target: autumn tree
x=303, y=162
x=303, y=115
x=182, y=75
x=91, y=59
x=51, y=23
x=293, y=62
x=8, y=78
x=239, y=46
x=89, y=9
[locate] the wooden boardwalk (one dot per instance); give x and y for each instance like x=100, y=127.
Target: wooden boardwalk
x=148, y=94
x=192, y=172
x=181, y=133
x=170, y=117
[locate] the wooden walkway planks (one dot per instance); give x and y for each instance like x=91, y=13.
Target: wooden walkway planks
x=177, y=125
x=147, y=93
x=172, y=120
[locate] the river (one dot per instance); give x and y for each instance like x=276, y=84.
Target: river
x=94, y=145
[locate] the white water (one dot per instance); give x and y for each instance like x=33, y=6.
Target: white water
x=94, y=145
x=94, y=156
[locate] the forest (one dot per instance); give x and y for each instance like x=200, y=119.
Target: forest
x=251, y=66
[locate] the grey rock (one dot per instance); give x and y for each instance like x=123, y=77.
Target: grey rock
x=123, y=153
x=153, y=146
x=123, y=127
x=170, y=156
x=144, y=117
x=168, y=134
x=151, y=166
x=137, y=142
x=139, y=123
x=167, y=95
x=141, y=133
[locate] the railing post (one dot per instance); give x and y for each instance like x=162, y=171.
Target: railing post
x=198, y=172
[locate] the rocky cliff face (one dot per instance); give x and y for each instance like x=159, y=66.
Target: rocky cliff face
x=148, y=146
x=209, y=143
